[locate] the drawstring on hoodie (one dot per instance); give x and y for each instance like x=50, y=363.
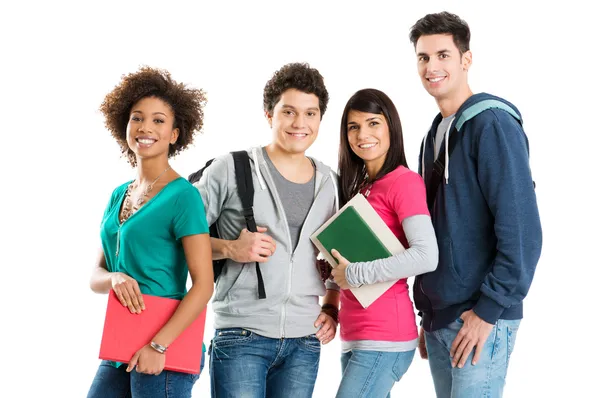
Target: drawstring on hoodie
x=447, y=160
x=446, y=168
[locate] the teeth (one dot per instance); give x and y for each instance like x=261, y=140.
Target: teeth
x=366, y=146
x=145, y=141
x=436, y=79
x=298, y=135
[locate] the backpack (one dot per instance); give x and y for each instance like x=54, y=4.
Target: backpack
x=245, y=190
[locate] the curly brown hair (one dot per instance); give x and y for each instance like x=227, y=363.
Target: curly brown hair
x=186, y=103
x=299, y=76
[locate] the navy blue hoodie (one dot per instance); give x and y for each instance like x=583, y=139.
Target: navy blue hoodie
x=485, y=217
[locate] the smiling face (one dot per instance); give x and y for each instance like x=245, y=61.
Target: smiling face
x=295, y=121
x=443, y=70
x=150, y=128
x=369, y=138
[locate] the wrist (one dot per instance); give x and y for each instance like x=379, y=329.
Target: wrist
x=161, y=349
x=331, y=310
x=227, y=249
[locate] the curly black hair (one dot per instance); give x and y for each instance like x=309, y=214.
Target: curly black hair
x=299, y=76
x=186, y=103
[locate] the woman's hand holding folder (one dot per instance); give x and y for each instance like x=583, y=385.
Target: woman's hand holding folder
x=147, y=360
x=128, y=292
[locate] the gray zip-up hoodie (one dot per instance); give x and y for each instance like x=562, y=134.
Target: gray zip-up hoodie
x=292, y=281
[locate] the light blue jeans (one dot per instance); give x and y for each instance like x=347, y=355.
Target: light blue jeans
x=246, y=365
x=113, y=382
x=372, y=374
x=484, y=380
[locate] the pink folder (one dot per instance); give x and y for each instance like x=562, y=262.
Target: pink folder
x=125, y=333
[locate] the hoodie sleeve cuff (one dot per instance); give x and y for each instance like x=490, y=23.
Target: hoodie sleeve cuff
x=331, y=285
x=351, y=275
x=488, y=310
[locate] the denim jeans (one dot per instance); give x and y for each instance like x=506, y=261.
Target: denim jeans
x=372, y=374
x=113, y=382
x=246, y=365
x=484, y=380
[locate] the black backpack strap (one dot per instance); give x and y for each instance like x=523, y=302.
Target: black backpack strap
x=467, y=114
x=439, y=167
x=195, y=176
x=245, y=187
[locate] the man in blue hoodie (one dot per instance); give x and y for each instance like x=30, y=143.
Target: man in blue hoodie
x=475, y=163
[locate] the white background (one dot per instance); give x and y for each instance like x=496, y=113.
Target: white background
x=59, y=164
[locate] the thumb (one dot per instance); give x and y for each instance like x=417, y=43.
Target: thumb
x=319, y=320
x=262, y=230
x=133, y=362
x=337, y=255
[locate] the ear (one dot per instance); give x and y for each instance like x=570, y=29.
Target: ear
x=467, y=60
x=174, y=136
x=269, y=118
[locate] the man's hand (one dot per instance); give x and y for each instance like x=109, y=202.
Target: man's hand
x=252, y=247
x=422, y=346
x=473, y=333
x=339, y=272
x=328, y=328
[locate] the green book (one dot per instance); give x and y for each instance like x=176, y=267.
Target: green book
x=359, y=234
x=350, y=235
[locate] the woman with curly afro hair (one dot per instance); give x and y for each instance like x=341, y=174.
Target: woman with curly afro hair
x=154, y=228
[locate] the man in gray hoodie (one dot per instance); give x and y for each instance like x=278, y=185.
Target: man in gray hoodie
x=270, y=347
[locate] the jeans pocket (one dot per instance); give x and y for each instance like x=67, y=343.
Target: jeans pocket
x=495, y=339
x=227, y=337
x=403, y=361
x=511, y=335
x=311, y=343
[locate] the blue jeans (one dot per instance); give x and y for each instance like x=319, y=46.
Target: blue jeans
x=112, y=382
x=372, y=374
x=487, y=378
x=246, y=365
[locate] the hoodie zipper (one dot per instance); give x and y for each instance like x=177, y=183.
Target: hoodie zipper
x=294, y=253
x=289, y=235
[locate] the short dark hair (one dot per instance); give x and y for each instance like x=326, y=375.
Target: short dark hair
x=186, y=103
x=351, y=168
x=443, y=23
x=299, y=76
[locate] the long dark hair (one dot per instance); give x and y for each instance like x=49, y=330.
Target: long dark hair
x=351, y=168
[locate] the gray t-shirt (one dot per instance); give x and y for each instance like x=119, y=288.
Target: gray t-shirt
x=439, y=134
x=296, y=199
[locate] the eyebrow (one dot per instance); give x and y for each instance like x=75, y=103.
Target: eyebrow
x=293, y=107
x=422, y=54
x=366, y=120
x=155, y=113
